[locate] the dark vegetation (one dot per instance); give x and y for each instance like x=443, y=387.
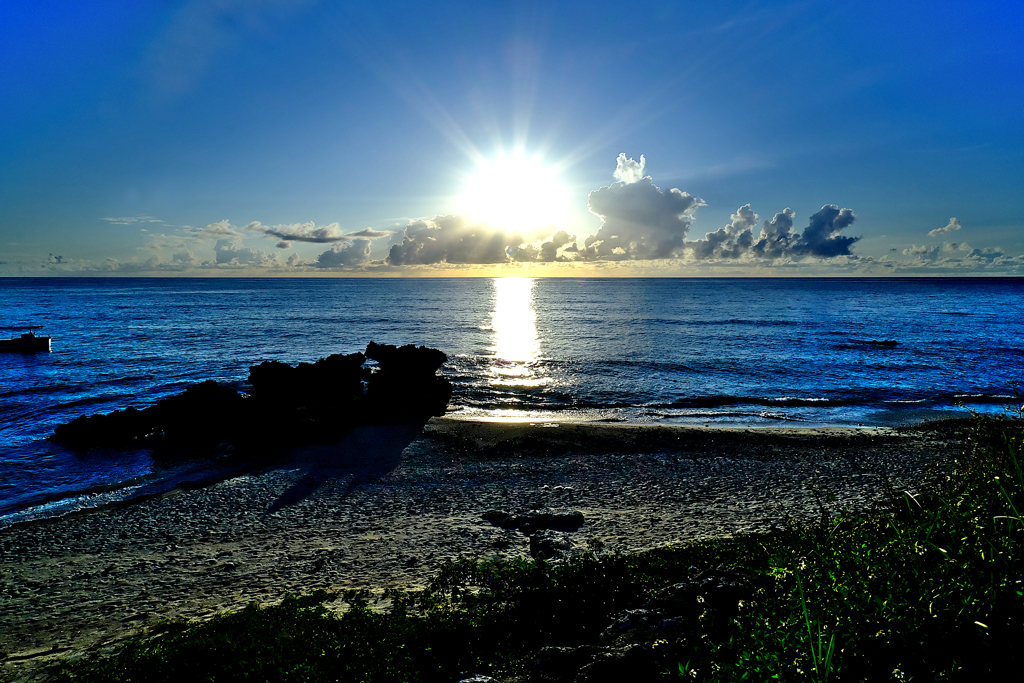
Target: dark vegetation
x=313, y=401
x=931, y=591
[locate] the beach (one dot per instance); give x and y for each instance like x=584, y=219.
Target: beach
x=386, y=506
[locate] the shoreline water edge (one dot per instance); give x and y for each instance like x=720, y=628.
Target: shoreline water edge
x=765, y=352
x=385, y=506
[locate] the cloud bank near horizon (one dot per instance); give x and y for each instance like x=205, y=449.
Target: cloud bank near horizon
x=641, y=224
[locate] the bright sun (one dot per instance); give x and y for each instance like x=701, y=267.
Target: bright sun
x=516, y=193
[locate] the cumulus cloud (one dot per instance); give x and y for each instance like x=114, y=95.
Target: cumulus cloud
x=952, y=226
x=954, y=253
x=638, y=219
x=228, y=253
x=778, y=240
x=185, y=258
x=960, y=257
x=732, y=241
x=628, y=171
x=922, y=251
x=452, y=239
x=821, y=237
x=986, y=255
x=352, y=255
x=560, y=247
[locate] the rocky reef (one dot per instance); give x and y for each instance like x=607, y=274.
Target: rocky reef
x=286, y=405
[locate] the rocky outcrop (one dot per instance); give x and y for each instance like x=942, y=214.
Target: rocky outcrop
x=548, y=528
x=287, y=404
x=333, y=380
x=405, y=385
x=205, y=414
x=536, y=519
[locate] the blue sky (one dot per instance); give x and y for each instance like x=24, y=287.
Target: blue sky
x=232, y=137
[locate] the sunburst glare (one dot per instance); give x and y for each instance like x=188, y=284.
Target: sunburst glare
x=516, y=193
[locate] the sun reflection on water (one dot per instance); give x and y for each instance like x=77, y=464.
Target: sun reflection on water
x=516, y=346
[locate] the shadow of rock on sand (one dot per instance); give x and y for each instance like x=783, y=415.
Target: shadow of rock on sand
x=365, y=453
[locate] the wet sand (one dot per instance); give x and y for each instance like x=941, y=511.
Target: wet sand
x=385, y=506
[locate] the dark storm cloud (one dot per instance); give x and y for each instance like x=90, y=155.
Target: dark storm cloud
x=778, y=239
x=638, y=219
x=452, y=239
x=352, y=255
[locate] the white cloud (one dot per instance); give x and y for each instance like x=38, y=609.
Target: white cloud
x=628, y=171
x=352, y=255
x=229, y=253
x=952, y=226
x=452, y=239
x=130, y=220
x=638, y=220
x=218, y=231
x=731, y=242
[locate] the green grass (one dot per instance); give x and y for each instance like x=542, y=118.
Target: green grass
x=931, y=592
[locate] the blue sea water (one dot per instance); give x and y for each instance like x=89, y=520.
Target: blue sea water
x=671, y=351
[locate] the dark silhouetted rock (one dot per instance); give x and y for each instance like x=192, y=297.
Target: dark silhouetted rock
x=329, y=381
x=203, y=415
x=119, y=429
x=534, y=520
x=405, y=385
x=288, y=405
x=409, y=360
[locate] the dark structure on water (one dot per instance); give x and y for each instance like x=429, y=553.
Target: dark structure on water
x=28, y=342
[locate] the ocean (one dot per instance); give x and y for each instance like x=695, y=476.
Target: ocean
x=730, y=352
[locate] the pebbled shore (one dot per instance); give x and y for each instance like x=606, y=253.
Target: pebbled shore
x=387, y=505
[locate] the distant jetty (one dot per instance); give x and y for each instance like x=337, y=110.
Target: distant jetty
x=288, y=405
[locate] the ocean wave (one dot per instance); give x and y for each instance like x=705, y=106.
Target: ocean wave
x=714, y=401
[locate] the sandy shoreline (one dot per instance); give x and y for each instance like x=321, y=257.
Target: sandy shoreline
x=386, y=506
